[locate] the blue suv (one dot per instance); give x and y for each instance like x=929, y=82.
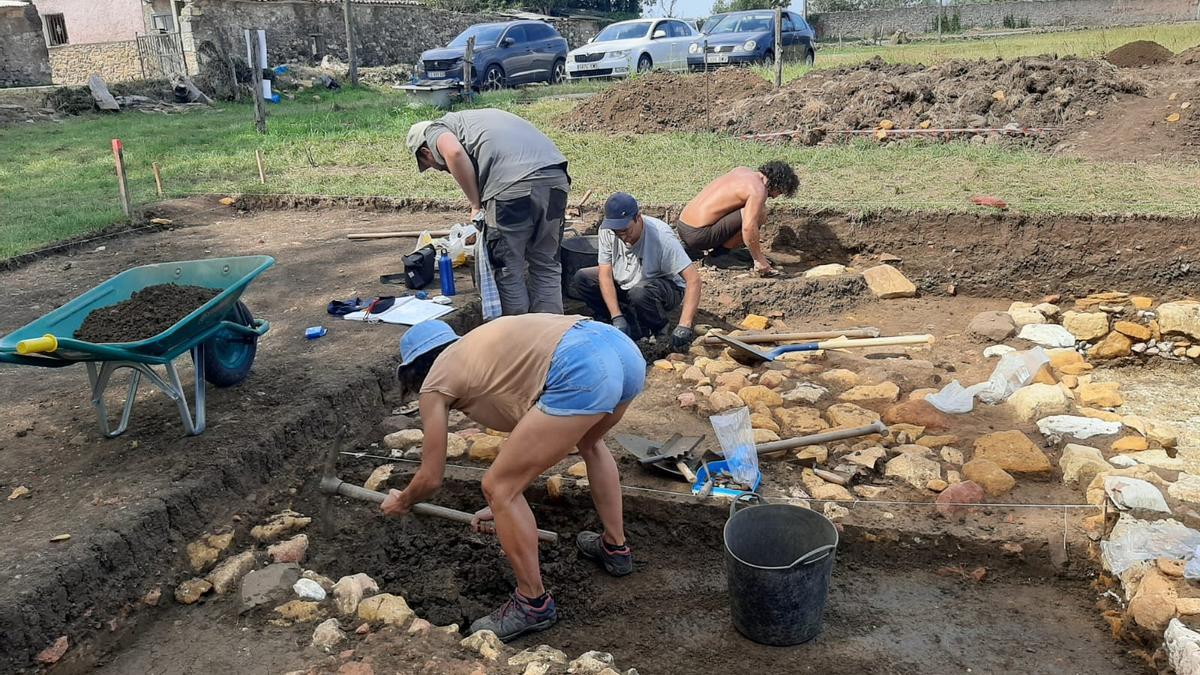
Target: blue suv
x=514, y=52
x=748, y=38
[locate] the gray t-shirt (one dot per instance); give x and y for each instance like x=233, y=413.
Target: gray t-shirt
x=504, y=148
x=657, y=254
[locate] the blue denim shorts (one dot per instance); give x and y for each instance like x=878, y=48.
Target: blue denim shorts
x=595, y=369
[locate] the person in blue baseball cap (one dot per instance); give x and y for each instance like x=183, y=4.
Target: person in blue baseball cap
x=644, y=275
x=556, y=383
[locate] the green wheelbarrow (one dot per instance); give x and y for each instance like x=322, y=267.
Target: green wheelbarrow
x=221, y=335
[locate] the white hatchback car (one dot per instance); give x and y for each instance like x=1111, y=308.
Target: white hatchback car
x=633, y=46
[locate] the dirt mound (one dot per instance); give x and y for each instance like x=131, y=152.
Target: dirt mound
x=1028, y=92
x=1188, y=57
x=663, y=101
x=147, y=313
x=1139, y=53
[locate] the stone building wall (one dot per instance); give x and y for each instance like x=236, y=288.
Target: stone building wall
x=114, y=61
x=23, y=59
x=1039, y=13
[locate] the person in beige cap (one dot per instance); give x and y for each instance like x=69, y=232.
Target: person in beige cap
x=516, y=183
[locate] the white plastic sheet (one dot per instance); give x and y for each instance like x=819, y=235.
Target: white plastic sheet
x=1135, y=493
x=736, y=436
x=1014, y=371
x=1133, y=541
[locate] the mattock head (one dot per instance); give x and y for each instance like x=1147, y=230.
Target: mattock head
x=329, y=482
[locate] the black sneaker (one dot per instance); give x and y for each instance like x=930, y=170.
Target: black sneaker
x=518, y=616
x=617, y=561
x=726, y=259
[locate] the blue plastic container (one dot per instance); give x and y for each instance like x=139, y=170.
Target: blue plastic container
x=719, y=467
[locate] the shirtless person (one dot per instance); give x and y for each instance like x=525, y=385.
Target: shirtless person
x=729, y=211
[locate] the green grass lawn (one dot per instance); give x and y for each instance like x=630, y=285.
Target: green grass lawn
x=57, y=180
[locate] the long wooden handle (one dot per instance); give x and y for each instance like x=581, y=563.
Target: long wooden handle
x=355, y=492
x=687, y=473
x=762, y=338
x=876, y=342
x=360, y=236
x=826, y=437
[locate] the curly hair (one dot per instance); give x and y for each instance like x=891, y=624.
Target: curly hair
x=781, y=179
x=412, y=376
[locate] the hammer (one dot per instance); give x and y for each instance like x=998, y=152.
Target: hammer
x=332, y=485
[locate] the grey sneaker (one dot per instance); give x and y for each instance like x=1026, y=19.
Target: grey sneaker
x=517, y=617
x=617, y=561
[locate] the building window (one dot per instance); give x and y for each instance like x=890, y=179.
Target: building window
x=56, y=29
x=164, y=22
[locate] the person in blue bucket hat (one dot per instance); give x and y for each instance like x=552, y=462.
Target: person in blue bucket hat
x=556, y=383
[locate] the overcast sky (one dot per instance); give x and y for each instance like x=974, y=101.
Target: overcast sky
x=696, y=8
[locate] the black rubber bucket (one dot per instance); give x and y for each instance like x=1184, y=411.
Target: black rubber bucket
x=778, y=560
x=576, y=254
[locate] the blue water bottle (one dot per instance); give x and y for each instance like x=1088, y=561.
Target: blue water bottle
x=445, y=273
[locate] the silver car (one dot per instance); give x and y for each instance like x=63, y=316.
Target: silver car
x=633, y=46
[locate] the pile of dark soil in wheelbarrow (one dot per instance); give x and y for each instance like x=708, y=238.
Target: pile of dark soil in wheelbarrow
x=145, y=314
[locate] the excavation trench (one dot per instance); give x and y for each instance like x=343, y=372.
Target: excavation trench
x=890, y=611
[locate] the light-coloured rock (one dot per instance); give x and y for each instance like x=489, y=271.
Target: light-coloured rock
x=805, y=392
x=952, y=455
x=994, y=480
x=328, y=635
x=1100, y=394
x=996, y=351
x=1080, y=464
x=230, y=572
x=189, y=592
x=404, y=439
x=485, y=643
x=1011, y=451
x=1153, y=606
x=485, y=448
x=590, y=662
x=832, y=491
x=815, y=453
x=754, y=322
x=540, y=654
x=937, y=485
x=536, y=669
x=913, y=469
x=870, y=491
x=1182, y=318
x=456, y=446
x=1134, y=330
x=884, y=391
x=1164, y=435
x=307, y=589
x=205, y=551
x=849, y=415
x=839, y=377
x=349, y=591
x=300, y=611
x=992, y=326
x=764, y=436
x=830, y=270
x=937, y=441
x=1130, y=444
x=1047, y=335
x=886, y=282
x=772, y=379
x=1183, y=648
x=1035, y=401
x=379, y=476
x=800, y=421
x=57, y=649
x=577, y=470
x=385, y=608
x=757, y=395
x=721, y=401
x=1086, y=326
x=279, y=525
x=866, y=457
x=714, y=367
x=1098, y=414
x=1113, y=346
x=289, y=551
x=323, y=581
x=764, y=421
x=1186, y=489
x=1047, y=309
x=694, y=375
x=1023, y=314
x=1059, y=426
x=1192, y=352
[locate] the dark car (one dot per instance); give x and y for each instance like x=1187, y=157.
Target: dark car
x=514, y=52
x=749, y=38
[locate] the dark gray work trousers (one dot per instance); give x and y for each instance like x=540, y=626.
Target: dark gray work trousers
x=647, y=306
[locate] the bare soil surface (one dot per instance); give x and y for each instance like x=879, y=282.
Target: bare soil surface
x=1029, y=92
x=890, y=610
x=145, y=314
x=1139, y=53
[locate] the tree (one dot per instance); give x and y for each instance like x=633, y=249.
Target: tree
x=723, y=6
x=666, y=7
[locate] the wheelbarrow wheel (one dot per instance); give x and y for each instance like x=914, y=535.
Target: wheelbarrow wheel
x=229, y=355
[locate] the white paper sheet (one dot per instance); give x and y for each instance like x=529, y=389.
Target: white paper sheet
x=407, y=311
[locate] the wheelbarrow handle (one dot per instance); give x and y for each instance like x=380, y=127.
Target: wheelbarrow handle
x=42, y=345
x=260, y=327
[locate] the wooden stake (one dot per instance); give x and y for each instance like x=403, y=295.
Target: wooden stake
x=351, y=43
x=157, y=178
x=260, y=106
x=122, y=183
x=778, y=47
x=262, y=173
x=469, y=71
x=361, y=236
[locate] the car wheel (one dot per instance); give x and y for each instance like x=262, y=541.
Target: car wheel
x=559, y=74
x=493, y=78
x=768, y=59
x=645, y=64
x=810, y=57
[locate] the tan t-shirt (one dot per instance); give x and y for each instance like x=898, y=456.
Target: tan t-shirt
x=497, y=372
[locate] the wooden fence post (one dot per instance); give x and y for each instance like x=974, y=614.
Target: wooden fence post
x=260, y=106
x=122, y=182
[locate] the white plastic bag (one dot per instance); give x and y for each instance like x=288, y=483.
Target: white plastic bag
x=1192, y=569
x=1014, y=371
x=737, y=440
x=456, y=243
x=1134, y=493
x=955, y=398
x=1132, y=541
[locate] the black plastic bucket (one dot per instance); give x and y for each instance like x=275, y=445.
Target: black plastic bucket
x=778, y=560
x=576, y=254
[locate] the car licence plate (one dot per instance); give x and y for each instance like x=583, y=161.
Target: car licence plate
x=436, y=73
x=716, y=58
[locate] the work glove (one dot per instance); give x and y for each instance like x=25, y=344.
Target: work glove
x=622, y=324
x=681, y=339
